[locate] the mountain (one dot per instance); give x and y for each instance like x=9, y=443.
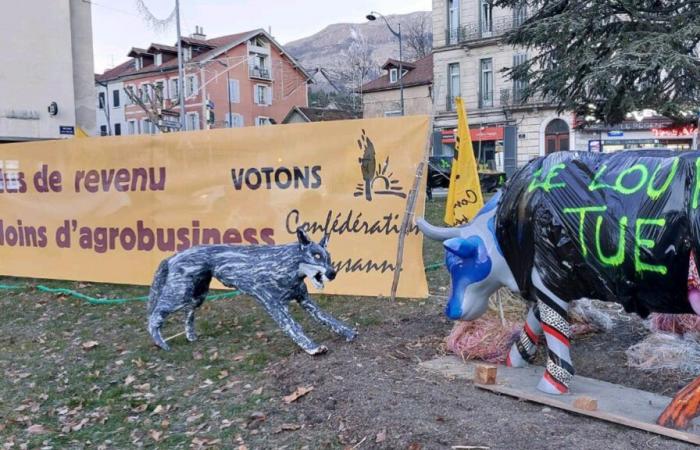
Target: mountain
x=326, y=48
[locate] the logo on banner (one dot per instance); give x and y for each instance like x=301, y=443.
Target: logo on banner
x=377, y=180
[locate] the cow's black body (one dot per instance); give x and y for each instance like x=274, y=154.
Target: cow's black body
x=534, y=231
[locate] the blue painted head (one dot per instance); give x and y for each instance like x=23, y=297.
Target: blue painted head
x=475, y=262
x=468, y=262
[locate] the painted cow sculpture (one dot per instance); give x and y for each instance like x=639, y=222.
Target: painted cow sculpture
x=621, y=227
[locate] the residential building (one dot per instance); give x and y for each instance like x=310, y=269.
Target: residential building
x=382, y=97
x=46, y=82
x=300, y=114
x=469, y=56
x=245, y=79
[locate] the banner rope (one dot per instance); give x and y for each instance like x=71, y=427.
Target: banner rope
x=143, y=298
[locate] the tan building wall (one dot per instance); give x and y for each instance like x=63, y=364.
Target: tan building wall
x=417, y=100
x=52, y=63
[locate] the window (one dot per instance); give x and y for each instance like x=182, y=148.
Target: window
x=393, y=75
x=261, y=121
x=453, y=85
x=234, y=91
x=486, y=18
x=192, y=121
x=115, y=99
x=101, y=100
x=131, y=127
x=519, y=14
x=486, y=83
x=148, y=127
x=117, y=129
x=103, y=130
x=158, y=59
x=556, y=136
x=234, y=122
x=192, y=86
x=519, y=84
x=452, y=21
x=263, y=94
x=174, y=93
x=259, y=67
x=186, y=53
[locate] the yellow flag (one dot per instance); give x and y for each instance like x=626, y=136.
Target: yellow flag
x=464, y=197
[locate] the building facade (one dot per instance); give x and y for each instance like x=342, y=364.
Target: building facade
x=382, y=97
x=46, y=82
x=244, y=79
x=469, y=55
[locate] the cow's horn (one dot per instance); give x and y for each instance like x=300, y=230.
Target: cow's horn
x=436, y=233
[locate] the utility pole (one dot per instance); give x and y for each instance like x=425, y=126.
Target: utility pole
x=180, y=70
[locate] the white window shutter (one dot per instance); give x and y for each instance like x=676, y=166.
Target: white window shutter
x=235, y=91
x=268, y=94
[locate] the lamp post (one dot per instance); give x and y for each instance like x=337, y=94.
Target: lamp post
x=373, y=16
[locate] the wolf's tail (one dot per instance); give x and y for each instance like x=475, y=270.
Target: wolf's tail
x=157, y=285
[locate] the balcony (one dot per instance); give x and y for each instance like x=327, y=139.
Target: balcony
x=261, y=73
x=477, y=31
x=502, y=99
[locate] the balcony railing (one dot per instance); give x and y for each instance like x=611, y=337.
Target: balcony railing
x=484, y=30
x=260, y=72
x=506, y=98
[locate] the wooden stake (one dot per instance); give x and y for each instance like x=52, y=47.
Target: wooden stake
x=408, y=213
x=174, y=336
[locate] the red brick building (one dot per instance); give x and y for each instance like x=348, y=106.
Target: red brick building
x=248, y=77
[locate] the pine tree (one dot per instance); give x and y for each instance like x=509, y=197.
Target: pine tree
x=607, y=58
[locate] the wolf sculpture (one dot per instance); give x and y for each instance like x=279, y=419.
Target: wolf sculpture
x=273, y=274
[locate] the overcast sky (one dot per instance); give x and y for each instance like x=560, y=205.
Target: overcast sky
x=117, y=25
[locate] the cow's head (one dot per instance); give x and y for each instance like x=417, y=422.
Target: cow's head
x=475, y=262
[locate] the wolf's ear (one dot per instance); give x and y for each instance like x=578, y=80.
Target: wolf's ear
x=303, y=237
x=324, y=241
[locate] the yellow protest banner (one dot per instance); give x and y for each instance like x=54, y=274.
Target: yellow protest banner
x=464, y=198
x=108, y=209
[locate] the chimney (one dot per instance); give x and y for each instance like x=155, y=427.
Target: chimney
x=198, y=33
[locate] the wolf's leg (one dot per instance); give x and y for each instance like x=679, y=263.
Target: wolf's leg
x=326, y=319
x=200, y=291
x=280, y=314
x=155, y=322
x=523, y=350
x=557, y=332
x=189, y=326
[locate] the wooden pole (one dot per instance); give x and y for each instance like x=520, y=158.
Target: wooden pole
x=408, y=213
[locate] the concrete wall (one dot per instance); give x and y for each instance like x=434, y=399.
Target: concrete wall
x=39, y=67
x=417, y=100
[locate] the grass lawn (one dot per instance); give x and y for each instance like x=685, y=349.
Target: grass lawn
x=76, y=375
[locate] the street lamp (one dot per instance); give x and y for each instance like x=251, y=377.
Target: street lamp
x=373, y=16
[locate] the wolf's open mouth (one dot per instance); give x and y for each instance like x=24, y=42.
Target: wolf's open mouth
x=318, y=280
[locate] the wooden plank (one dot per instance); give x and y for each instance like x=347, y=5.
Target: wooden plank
x=617, y=404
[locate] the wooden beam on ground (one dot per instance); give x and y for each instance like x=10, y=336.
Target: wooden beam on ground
x=617, y=404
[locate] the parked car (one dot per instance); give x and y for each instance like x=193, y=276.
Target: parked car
x=440, y=167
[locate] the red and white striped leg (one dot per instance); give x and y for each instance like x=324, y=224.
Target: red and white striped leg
x=523, y=350
x=557, y=332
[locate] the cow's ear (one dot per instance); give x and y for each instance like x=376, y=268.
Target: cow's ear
x=303, y=237
x=464, y=248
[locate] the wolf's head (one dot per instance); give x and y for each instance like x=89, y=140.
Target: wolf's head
x=315, y=260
